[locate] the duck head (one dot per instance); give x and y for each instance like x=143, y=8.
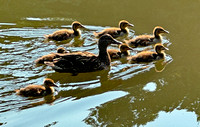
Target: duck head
x=106, y=40
x=49, y=82
x=159, y=30
x=160, y=48
x=123, y=24
x=77, y=25
x=61, y=50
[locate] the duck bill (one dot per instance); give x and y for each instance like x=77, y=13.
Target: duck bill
x=129, y=48
x=116, y=42
x=131, y=25
x=82, y=27
x=166, y=48
x=54, y=85
x=165, y=31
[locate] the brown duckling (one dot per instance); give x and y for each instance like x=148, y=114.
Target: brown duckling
x=38, y=90
x=145, y=40
x=117, y=54
x=50, y=56
x=116, y=32
x=66, y=34
x=78, y=62
x=149, y=56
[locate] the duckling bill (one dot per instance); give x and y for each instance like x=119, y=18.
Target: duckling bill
x=145, y=40
x=85, y=62
x=116, y=32
x=149, y=56
x=66, y=34
x=38, y=90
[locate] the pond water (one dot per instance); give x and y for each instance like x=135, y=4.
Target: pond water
x=163, y=93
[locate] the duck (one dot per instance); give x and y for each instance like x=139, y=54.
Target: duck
x=38, y=90
x=80, y=62
x=145, y=40
x=50, y=56
x=65, y=34
x=117, y=54
x=149, y=56
x=116, y=32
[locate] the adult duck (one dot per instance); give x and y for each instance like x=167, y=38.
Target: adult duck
x=50, y=56
x=65, y=33
x=79, y=62
x=145, y=40
x=38, y=90
x=149, y=56
x=122, y=52
x=116, y=32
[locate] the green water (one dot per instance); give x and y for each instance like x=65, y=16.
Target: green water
x=126, y=95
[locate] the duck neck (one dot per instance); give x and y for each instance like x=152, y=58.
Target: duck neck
x=156, y=35
x=49, y=90
x=104, y=56
x=126, y=53
x=76, y=32
x=125, y=30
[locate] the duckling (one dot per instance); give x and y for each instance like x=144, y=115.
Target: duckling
x=117, y=54
x=38, y=90
x=50, y=56
x=116, y=32
x=145, y=40
x=79, y=62
x=149, y=56
x=66, y=34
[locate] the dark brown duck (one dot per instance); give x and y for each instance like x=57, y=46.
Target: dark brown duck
x=78, y=62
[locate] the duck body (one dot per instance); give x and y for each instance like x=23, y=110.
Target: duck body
x=50, y=56
x=117, y=54
x=145, y=40
x=149, y=56
x=65, y=33
x=38, y=90
x=79, y=62
x=116, y=32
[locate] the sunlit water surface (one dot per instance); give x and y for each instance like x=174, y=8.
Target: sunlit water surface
x=161, y=93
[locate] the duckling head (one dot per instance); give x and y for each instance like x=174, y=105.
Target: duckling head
x=61, y=50
x=124, y=48
x=106, y=40
x=77, y=25
x=159, y=30
x=49, y=82
x=123, y=24
x=160, y=48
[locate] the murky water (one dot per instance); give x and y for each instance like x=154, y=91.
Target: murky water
x=162, y=93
